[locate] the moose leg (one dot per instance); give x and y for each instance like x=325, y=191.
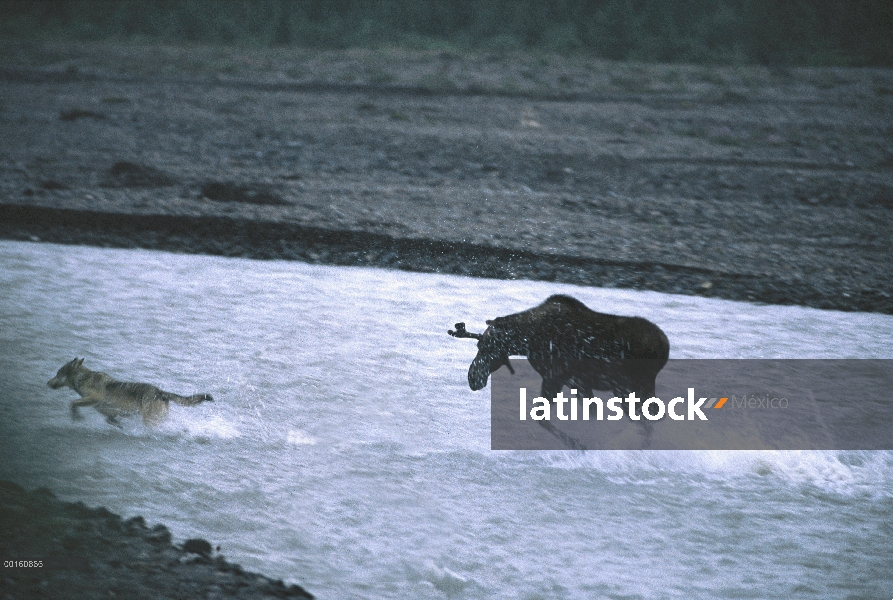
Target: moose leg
x=648, y=391
x=549, y=390
x=551, y=387
x=644, y=390
x=640, y=377
x=646, y=385
x=570, y=441
x=584, y=390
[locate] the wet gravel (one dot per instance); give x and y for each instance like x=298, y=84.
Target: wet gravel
x=88, y=553
x=768, y=185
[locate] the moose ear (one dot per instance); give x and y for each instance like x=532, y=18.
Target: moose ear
x=80, y=362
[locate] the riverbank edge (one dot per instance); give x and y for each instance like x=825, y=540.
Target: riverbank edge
x=259, y=239
x=91, y=552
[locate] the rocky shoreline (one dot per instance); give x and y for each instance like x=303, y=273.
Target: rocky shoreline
x=88, y=553
x=251, y=238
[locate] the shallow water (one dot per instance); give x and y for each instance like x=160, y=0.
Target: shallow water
x=346, y=453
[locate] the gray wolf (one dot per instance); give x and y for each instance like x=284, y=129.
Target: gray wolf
x=569, y=344
x=114, y=398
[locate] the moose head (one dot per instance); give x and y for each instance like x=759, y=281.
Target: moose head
x=495, y=346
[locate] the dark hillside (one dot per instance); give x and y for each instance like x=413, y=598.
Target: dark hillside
x=820, y=32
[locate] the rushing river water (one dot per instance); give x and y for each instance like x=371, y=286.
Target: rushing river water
x=346, y=453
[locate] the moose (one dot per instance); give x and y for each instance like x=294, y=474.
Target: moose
x=569, y=344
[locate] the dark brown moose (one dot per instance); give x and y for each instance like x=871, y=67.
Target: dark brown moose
x=570, y=345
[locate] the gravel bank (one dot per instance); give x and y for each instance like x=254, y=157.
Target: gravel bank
x=249, y=238
x=747, y=183
x=89, y=553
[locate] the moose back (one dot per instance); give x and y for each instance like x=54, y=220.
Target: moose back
x=569, y=344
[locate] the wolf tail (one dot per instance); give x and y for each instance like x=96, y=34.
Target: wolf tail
x=189, y=400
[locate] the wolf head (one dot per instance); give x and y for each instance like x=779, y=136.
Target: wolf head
x=65, y=375
x=495, y=346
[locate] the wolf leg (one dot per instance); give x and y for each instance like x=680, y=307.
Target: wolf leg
x=155, y=412
x=111, y=413
x=86, y=401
